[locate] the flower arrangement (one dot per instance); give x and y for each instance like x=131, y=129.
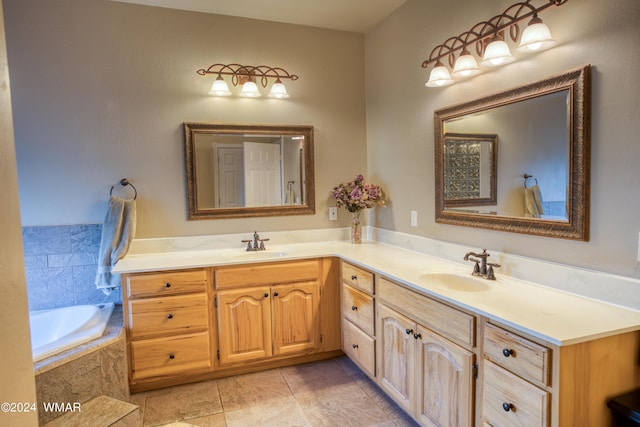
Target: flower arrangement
x=357, y=195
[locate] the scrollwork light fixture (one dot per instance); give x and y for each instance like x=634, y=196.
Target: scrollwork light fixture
x=487, y=39
x=247, y=75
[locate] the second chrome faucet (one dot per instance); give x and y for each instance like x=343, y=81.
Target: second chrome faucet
x=258, y=243
x=481, y=267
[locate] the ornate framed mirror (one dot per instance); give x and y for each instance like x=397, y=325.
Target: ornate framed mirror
x=543, y=163
x=236, y=171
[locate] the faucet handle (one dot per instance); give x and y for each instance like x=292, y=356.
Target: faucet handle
x=262, y=248
x=248, y=242
x=490, y=274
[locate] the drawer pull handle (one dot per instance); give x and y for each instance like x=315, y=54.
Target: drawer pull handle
x=172, y=356
x=275, y=294
x=507, y=406
x=354, y=277
x=355, y=346
x=417, y=336
x=507, y=352
x=266, y=294
x=409, y=331
x=169, y=316
x=354, y=308
x=167, y=285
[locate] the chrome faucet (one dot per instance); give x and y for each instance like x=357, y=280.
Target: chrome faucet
x=258, y=243
x=481, y=267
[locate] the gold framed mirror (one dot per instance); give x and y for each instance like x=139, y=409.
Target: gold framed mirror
x=236, y=171
x=543, y=163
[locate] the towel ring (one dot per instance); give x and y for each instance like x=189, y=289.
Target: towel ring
x=526, y=176
x=124, y=182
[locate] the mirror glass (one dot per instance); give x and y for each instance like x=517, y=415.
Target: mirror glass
x=541, y=170
x=248, y=170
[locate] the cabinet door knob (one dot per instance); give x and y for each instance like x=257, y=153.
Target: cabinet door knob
x=507, y=352
x=354, y=308
x=417, y=336
x=169, y=316
x=172, y=356
x=266, y=294
x=354, y=277
x=167, y=285
x=507, y=406
x=409, y=331
x=355, y=346
x=275, y=294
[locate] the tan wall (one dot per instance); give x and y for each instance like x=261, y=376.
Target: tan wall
x=101, y=90
x=400, y=120
x=16, y=368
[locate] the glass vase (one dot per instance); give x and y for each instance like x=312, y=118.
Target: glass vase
x=356, y=229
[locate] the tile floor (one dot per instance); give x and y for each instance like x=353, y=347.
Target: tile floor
x=327, y=393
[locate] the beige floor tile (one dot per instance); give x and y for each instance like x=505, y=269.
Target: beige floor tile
x=216, y=420
x=346, y=405
x=315, y=377
x=180, y=403
x=281, y=412
x=139, y=399
x=252, y=389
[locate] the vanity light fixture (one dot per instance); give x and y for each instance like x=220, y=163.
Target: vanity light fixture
x=247, y=75
x=488, y=40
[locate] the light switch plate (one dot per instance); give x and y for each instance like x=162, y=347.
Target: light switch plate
x=333, y=213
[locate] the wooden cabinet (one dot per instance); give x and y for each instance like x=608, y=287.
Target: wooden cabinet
x=167, y=317
x=426, y=373
x=280, y=318
x=358, y=308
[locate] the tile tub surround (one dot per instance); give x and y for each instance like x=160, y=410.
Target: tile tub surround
x=60, y=266
x=82, y=373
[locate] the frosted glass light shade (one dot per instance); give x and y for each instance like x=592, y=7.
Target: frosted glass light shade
x=250, y=90
x=466, y=66
x=439, y=76
x=278, y=90
x=497, y=53
x=536, y=37
x=219, y=88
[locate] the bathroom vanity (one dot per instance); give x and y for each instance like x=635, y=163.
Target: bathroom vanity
x=449, y=348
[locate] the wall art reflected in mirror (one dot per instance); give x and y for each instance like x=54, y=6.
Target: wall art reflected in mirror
x=541, y=169
x=248, y=170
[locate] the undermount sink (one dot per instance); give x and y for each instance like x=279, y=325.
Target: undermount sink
x=261, y=254
x=455, y=282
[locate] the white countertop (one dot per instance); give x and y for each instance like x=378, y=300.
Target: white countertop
x=552, y=315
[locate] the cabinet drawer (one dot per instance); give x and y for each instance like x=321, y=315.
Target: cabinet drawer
x=520, y=355
x=510, y=401
x=166, y=356
x=358, y=308
x=359, y=346
x=170, y=283
x=266, y=274
x=357, y=277
x=176, y=314
x=447, y=321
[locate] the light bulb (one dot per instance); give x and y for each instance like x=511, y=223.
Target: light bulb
x=439, y=76
x=219, y=88
x=536, y=37
x=497, y=53
x=250, y=90
x=466, y=65
x=278, y=90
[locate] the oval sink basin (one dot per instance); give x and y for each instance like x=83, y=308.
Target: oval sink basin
x=455, y=282
x=261, y=254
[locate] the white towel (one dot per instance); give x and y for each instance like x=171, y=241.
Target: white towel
x=533, y=202
x=118, y=231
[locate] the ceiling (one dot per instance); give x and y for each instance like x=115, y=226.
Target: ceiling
x=347, y=15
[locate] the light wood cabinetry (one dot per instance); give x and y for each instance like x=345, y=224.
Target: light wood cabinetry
x=167, y=317
x=425, y=371
x=280, y=318
x=358, y=308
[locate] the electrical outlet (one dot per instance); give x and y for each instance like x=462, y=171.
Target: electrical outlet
x=333, y=213
x=414, y=218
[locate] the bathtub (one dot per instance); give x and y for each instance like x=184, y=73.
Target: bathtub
x=59, y=329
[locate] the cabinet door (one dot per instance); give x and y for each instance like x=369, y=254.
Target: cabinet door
x=445, y=375
x=397, y=356
x=244, y=324
x=295, y=318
